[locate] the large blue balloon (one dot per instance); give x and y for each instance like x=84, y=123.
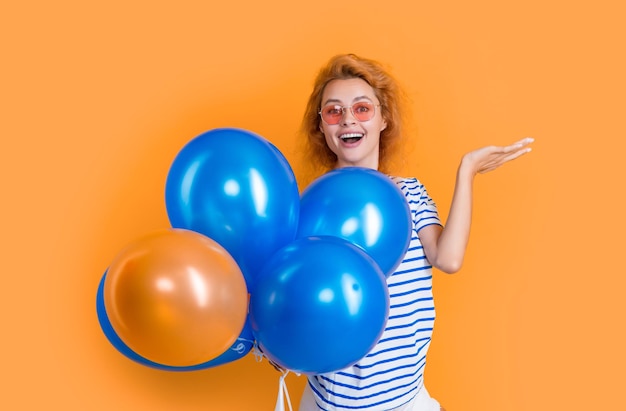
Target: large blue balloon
x=363, y=206
x=239, y=349
x=236, y=188
x=319, y=305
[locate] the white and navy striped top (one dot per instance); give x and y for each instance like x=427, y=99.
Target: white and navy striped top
x=392, y=373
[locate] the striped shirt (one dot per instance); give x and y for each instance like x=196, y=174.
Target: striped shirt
x=392, y=373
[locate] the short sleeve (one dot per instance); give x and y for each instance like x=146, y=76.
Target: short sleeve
x=423, y=208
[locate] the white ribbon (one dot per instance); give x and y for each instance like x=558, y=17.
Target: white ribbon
x=282, y=385
x=282, y=394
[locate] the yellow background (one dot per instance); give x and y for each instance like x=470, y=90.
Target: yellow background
x=98, y=98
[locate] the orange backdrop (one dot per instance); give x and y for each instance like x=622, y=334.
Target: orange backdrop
x=98, y=98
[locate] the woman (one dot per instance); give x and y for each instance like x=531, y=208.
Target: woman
x=354, y=117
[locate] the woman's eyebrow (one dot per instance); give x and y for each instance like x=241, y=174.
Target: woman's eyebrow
x=332, y=100
x=337, y=101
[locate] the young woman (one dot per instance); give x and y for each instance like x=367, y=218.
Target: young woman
x=354, y=117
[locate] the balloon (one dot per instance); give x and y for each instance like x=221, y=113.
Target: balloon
x=176, y=298
x=362, y=206
x=239, y=349
x=236, y=188
x=320, y=304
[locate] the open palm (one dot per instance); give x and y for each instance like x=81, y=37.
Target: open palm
x=489, y=158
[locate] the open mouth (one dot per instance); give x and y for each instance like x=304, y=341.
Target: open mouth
x=351, y=137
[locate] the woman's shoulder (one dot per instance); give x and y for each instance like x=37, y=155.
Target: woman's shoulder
x=413, y=189
x=399, y=179
x=408, y=184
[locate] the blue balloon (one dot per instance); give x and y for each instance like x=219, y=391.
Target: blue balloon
x=236, y=188
x=239, y=349
x=319, y=305
x=362, y=206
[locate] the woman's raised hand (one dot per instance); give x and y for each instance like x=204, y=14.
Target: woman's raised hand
x=489, y=158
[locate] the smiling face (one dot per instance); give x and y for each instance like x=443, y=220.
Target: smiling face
x=355, y=143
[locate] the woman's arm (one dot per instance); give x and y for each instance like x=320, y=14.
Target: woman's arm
x=445, y=247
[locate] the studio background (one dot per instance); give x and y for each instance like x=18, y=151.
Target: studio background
x=96, y=99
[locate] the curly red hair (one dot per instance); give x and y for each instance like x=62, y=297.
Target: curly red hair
x=391, y=97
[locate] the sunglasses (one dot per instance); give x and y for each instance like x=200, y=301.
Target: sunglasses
x=362, y=111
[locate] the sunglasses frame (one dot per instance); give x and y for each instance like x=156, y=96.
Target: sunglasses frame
x=343, y=112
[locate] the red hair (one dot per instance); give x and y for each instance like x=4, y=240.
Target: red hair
x=386, y=89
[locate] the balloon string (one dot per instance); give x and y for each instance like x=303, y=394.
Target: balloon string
x=258, y=354
x=282, y=394
x=282, y=385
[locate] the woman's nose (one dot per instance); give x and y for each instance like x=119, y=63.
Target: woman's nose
x=347, y=117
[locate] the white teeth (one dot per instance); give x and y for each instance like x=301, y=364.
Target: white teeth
x=351, y=135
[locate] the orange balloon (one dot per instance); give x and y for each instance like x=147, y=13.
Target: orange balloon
x=176, y=297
